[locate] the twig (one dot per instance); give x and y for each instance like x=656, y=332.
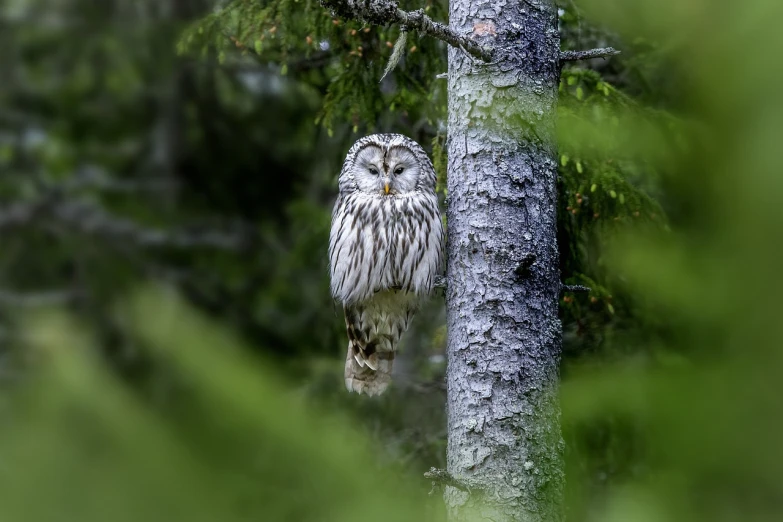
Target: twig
x=444, y=478
x=576, y=288
x=603, y=52
x=384, y=12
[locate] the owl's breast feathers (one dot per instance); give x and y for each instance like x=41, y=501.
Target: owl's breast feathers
x=384, y=242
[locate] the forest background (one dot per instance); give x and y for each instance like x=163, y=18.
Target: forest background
x=168, y=346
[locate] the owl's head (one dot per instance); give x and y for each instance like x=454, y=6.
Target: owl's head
x=387, y=165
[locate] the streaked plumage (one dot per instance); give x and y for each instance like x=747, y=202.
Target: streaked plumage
x=385, y=249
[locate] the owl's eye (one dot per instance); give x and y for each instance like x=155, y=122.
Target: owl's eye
x=373, y=171
x=398, y=170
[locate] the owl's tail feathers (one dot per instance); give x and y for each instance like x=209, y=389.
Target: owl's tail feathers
x=368, y=374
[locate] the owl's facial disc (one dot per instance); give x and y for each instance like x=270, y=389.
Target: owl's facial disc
x=386, y=171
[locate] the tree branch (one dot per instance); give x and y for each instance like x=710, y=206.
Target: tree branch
x=576, y=288
x=384, y=12
x=573, y=56
x=444, y=478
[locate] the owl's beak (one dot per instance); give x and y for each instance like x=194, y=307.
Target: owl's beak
x=386, y=187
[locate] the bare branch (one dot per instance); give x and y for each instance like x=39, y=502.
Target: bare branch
x=573, y=56
x=444, y=478
x=384, y=12
x=576, y=288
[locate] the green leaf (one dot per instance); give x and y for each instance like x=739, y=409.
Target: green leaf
x=593, y=187
x=564, y=160
x=613, y=194
x=579, y=167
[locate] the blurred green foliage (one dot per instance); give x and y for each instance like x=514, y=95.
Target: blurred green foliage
x=196, y=143
x=688, y=415
x=230, y=443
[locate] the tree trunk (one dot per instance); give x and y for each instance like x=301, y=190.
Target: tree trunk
x=503, y=277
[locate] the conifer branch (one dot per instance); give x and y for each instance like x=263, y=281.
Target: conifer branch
x=573, y=56
x=384, y=12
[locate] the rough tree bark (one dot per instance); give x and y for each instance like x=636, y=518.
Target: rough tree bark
x=504, y=438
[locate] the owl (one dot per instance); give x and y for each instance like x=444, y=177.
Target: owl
x=385, y=249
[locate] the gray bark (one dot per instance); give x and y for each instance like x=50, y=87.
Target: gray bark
x=504, y=438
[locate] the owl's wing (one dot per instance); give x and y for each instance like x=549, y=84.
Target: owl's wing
x=419, y=249
x=343, y=248
x=358, y=249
